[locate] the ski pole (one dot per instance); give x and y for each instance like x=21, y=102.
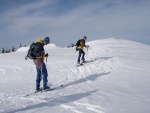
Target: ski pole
x=46, y=55
x=46, y=61
x=87, y=49
x=74, y=53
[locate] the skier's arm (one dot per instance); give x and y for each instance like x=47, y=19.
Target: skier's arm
x=83, y=43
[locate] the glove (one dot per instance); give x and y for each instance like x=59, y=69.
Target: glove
x=46, y=55
x=87, y=46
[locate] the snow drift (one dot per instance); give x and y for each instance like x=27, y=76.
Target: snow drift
x=116, y=80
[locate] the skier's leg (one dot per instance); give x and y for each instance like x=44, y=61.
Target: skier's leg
x=83, y=54
x=79, y=56
x=38, y=78
x=45, y=75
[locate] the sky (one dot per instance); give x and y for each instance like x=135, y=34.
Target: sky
x=65, y=21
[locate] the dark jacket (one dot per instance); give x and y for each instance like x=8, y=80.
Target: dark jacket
x=39, y=52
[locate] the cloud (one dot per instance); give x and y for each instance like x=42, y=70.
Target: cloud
x=66, y=21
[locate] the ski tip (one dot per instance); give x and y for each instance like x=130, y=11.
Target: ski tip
x=79, y=65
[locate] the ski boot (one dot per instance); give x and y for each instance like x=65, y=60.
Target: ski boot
x=38, y=90
x=46, y=88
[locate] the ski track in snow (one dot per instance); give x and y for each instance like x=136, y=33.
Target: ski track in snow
x=71, y=97
x=83, y=107
x=76, y=78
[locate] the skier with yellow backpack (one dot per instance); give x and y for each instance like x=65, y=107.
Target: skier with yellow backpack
x=80, y=46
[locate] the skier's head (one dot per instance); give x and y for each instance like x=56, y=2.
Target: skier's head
x=46, y=40
x=84, y=37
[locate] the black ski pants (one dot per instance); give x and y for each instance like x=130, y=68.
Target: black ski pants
x=81, y=52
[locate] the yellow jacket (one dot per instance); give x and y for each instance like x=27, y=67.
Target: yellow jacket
x=82, y=44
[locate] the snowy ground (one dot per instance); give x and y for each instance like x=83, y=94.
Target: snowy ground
x=117, y=80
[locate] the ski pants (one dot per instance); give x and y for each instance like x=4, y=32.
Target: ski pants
x=81, y=52
x=41, y=71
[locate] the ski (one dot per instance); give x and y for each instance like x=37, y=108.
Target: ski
x=84, y=63
x=42, y=90
x=54, y=88
x=77, y=65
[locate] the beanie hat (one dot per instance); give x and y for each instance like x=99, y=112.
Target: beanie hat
x=46, y=40
x=85, y=37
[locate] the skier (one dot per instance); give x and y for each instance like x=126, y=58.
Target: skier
x=40, y=65
x=80, y=48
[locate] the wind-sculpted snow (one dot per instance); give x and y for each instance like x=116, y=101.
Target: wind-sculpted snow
x=25, y=49
x=115, y=79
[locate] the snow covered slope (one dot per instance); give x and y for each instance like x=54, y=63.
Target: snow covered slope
x=116, y=80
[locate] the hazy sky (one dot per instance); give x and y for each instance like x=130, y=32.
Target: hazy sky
x=64, y=21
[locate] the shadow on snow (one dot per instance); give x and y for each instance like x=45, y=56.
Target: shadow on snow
x=51, y=102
